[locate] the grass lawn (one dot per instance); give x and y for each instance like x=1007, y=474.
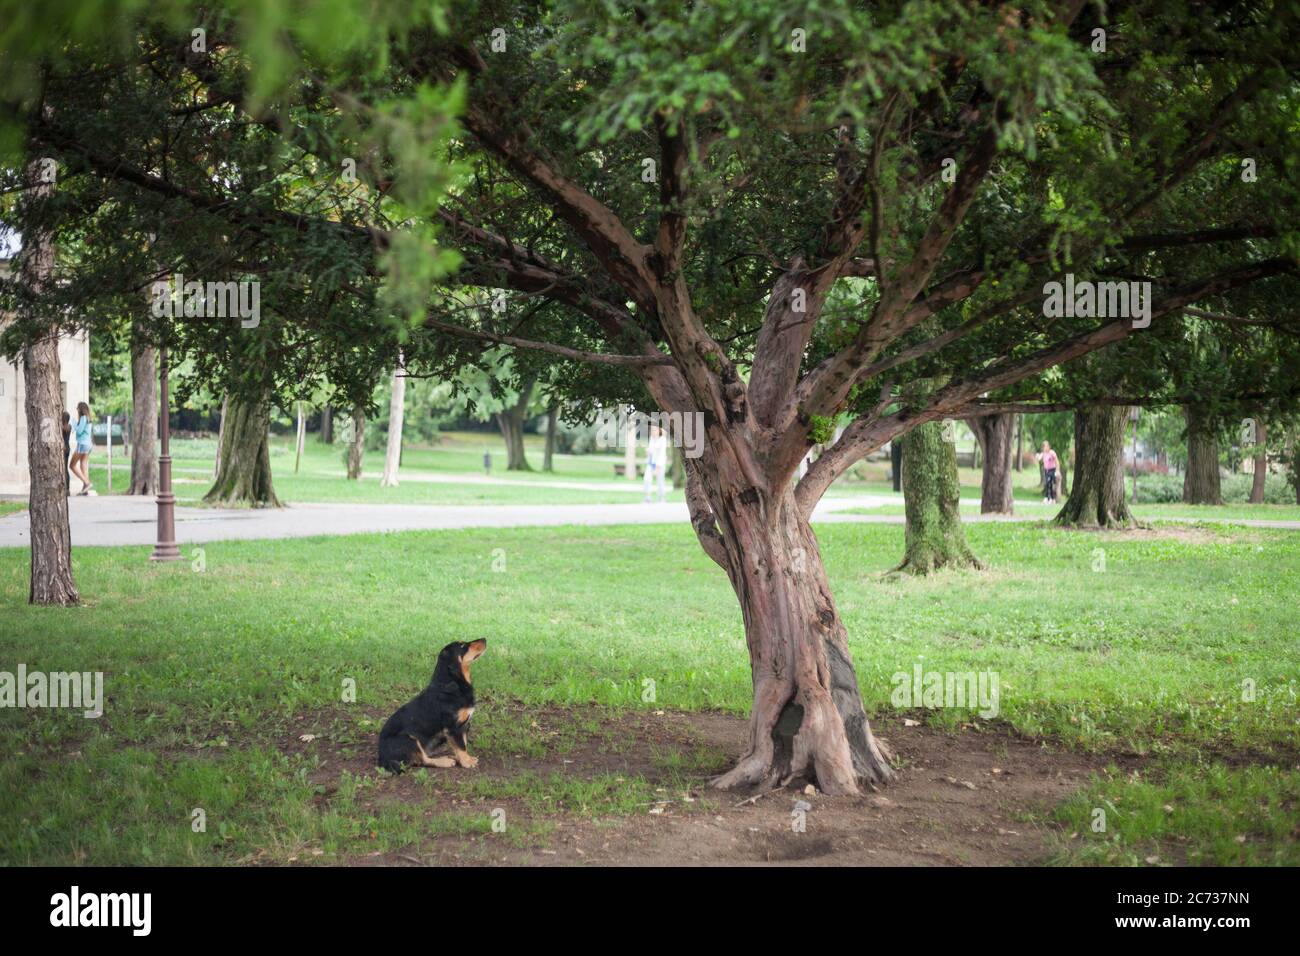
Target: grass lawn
x=1145, y=512
x=218, y=682
x=449, y=474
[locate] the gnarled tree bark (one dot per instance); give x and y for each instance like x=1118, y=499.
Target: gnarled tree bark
x=1097, y=499
x=807, y=719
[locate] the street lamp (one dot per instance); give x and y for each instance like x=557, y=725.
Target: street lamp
x=165, y=549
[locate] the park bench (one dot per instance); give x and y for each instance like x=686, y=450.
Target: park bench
x=620, y=470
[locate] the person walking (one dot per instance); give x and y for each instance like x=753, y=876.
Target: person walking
x=656, y=461
x=67, y=452
x=82, y=451
x=1050, y=464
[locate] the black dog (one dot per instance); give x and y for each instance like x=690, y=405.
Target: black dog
x=440, y=714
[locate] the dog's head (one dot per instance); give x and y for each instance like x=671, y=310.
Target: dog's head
x=460, y=654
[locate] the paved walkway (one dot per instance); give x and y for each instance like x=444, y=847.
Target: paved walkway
x=122, y=520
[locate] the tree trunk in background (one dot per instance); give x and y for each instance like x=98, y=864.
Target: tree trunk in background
x=1292, y=465
x=896, y=463
x=47, y=503
x=300, y=438
x=511, y=422
x=327, y=425
x=221, y=436
x=1020, y=443
x=1097, y=500
x=1261, y=462
x=931, y=493
x=993, y=432
x=678, y=473
x=244, y=476
x=396, y=419
x=552, y=414
x=1201, y=482
x=357, y=443
x=144, y=418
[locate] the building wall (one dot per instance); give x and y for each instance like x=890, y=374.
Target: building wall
x=74, y=372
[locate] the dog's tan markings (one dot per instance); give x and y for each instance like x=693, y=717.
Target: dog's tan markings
x=472, y=653
x=463, y=758
x=464, y=714
x=429, y=761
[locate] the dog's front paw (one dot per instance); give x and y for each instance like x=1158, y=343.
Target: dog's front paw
x=468, y=762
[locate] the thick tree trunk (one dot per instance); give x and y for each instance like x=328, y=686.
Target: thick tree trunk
x=1261, y=462
x=51, y=543
x=931, y=502
x=511, y=422
x=1097, y=499
x=1201, y=482
x=47, y=503
x=357, y=445
x=144, y=418
x=396, y=417
x=807, y=719
x=548, y=454
x=994, y=435
x=244, y=477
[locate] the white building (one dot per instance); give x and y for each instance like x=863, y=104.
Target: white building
x=74, y=372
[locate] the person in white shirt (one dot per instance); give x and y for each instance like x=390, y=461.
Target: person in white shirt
x=656, y=461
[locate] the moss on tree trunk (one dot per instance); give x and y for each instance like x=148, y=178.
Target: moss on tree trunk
x=1097, y=499
x=931, y=493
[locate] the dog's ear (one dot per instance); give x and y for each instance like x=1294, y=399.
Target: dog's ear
x=474, y=650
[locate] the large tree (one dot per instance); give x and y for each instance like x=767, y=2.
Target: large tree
x=771, y=216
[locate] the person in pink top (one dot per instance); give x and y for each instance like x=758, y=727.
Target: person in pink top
x=1050, y=463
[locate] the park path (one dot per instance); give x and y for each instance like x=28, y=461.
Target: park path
x=122, y=520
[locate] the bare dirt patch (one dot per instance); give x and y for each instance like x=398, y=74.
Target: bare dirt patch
x=969, y=798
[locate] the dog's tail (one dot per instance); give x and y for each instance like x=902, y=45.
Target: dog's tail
x=391, y=752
